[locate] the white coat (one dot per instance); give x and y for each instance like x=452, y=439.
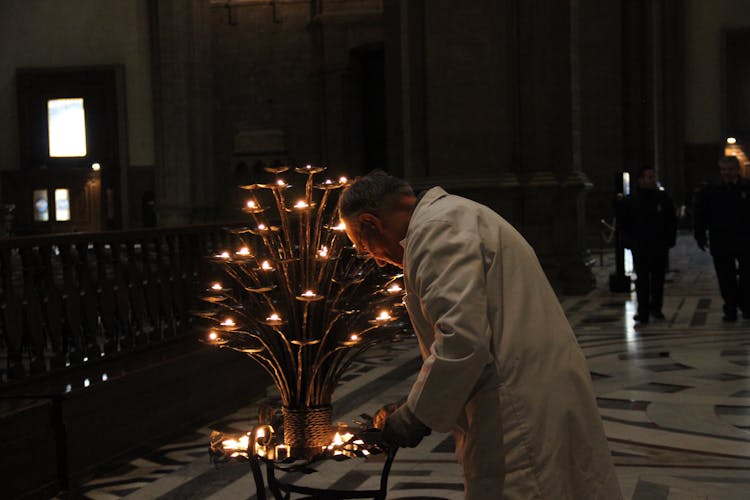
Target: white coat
x=502, y=368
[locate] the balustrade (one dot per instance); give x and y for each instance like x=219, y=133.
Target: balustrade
x=69, y=299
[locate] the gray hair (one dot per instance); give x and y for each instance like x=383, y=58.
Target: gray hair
x=373, y=193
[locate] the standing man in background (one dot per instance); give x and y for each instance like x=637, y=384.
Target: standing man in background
x=649, y=228
x=723, y=210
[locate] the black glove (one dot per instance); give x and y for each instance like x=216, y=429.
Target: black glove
x=403, y=429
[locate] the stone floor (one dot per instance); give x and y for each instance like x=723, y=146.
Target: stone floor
x=674, y=397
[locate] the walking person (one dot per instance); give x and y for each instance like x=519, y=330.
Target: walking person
x=649, y=228
x=722, y=224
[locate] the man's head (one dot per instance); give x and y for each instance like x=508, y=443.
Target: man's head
x=729, y=168
x=377, y=209
x=647, y=177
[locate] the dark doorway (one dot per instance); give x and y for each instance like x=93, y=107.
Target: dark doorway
x=736, y=92
x=737, y=84
x=85, y=161
x=366, y=109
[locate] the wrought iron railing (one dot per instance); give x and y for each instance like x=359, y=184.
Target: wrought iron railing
x=68, y=299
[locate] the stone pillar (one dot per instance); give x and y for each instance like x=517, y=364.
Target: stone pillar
x=554, y=185
x=181, y=44
x=483, y=99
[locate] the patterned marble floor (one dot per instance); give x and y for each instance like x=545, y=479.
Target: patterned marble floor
x=674, y=397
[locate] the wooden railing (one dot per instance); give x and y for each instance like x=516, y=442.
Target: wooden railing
x=66, y=300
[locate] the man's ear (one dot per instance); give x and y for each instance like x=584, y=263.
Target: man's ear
x=369, y=219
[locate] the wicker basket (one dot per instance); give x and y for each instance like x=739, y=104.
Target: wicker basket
x=307, y=431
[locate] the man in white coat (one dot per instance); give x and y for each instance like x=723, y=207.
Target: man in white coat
x=502, y=369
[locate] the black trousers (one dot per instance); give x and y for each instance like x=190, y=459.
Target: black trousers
x=733, y=272
x=650, y=268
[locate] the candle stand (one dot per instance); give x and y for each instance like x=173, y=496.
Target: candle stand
x=259, y=448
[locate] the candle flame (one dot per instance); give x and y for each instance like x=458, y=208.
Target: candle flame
x=273, y=317
x=343, y=180
x=241, y=444
x=227, y=322
x=216, y=286
x=323, y=252
x=328, y=181
x=301, y=203
x=266, y=266
x=394, y=289
x=340, y=227
x=354, y=336
x=243, y=251
x=383, y=316
x=223, y=255
x=280, y=182
x=262, y=227
x=308, y=293
x=212, y=336
x=251, y=204
x=338, y=441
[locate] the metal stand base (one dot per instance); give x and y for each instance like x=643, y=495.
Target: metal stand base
x=283, y=491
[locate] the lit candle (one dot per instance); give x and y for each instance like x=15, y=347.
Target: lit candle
x=343, y=180
x=323, y=252
x=354, y=337
x=280, y=182
x=301, y=204
x=383, y=316
x=251, y=204
x=212, y=335
x=308, y=293
x=227, y=322
x=230, y=444
x=266, y=266
x=394, y=288
x=336, y=441
x=282, y=452
x=223, y=255
x=216, y=286
x=243, y=251
x=262, y=227
x=340, y=227
x=273, y=320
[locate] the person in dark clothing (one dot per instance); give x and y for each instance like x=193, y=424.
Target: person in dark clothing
x=723, y=210
x=649, y=229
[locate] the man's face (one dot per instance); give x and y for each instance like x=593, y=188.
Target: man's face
x=729, y=171
x=647, y=180
x=371, y=237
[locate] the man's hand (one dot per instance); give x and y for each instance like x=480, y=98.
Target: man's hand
x=403, y=429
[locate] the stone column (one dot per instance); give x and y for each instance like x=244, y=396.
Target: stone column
x=181, y=42
x=483, y=99
x=554, y=185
